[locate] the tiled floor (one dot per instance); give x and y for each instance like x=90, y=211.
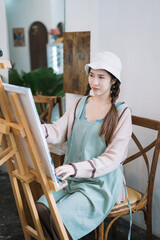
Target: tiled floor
x=10, y=227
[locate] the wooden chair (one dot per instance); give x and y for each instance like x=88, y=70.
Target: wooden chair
x=46, y=104
x=139, y=201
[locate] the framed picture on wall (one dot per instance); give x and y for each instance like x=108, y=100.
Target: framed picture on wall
x=18, y=37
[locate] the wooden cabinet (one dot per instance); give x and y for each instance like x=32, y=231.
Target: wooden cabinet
x=76, y=55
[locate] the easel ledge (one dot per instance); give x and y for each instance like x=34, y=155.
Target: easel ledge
x=11, y=133
x=5, y=64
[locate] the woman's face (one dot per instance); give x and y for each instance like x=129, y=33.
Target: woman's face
x=100, y=82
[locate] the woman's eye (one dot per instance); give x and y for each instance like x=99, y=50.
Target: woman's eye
x=91, y=75
x=101, y=77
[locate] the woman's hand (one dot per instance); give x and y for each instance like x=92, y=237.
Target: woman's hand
x=66, y=170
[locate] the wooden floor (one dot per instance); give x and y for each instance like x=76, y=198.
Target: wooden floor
x=10, y=227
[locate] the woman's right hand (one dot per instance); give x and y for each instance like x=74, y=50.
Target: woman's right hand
x=65, y=170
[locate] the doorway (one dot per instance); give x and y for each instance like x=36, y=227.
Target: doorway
x=38, y=38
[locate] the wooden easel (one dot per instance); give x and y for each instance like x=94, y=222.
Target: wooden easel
x=12, y=154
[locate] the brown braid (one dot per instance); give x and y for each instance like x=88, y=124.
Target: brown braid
x=115, y=90
x=111, y=119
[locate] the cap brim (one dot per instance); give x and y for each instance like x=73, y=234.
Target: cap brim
x=96, y=65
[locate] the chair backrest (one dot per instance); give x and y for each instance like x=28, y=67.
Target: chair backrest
x=45, y=106
x=155, y=145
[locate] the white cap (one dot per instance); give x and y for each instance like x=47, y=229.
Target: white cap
x=107, y=61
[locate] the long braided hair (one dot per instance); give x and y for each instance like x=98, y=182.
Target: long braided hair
x=111, y=119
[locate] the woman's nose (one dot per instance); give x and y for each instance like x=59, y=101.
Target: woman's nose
x=95, y=81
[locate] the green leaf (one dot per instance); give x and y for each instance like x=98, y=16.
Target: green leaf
x=15, y=78
x=43, y=80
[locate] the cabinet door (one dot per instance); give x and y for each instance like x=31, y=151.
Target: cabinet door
x=76, y=55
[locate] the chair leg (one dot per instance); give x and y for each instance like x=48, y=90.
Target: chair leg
x=101, y=231
x=96, y=233
x=109, y=226
x=114, y=229
x=149, y=223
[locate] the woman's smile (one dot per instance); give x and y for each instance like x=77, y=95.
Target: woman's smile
x=95, y=89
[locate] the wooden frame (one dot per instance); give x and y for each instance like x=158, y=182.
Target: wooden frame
x=18, y=37
x=28, y=106
x=14, y=127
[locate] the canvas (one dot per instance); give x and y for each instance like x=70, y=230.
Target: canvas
x=29, y=108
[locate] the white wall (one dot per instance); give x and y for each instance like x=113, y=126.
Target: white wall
x=82, y=16
x=4, y=47
x=3, y=39
x=131, y=30
x=21, y=14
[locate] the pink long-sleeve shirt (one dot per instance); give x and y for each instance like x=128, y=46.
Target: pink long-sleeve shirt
x=114, y=154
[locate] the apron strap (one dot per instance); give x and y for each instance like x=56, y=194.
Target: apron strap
x=81, y=102
x=122, y=113
x=121, y=106
x=77, y=112
x=129, y=205
x=130, y=212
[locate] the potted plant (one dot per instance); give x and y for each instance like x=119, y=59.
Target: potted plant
x=42, y=80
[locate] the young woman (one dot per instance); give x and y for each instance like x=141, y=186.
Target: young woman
x=97, y=130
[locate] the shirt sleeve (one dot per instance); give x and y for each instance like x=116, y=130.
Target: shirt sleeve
x=57, y=132
x=114, y=154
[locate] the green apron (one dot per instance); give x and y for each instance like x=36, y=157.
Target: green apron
x=86, y=202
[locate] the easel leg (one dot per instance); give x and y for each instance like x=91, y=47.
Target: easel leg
x=33, y=210
x=18, y=200
x=16, y=193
